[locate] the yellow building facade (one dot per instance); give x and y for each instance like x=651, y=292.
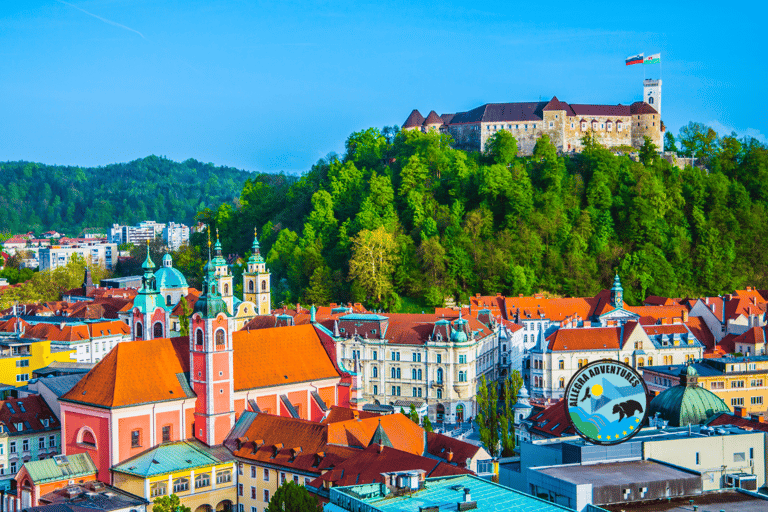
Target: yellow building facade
x=20, y=357
x=203, y=478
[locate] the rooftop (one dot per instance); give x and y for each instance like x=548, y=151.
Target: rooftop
x=615, y=473
x=172, y=457
x=729, y=501
x=446, y=492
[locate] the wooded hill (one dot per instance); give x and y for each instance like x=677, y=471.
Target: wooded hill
x=400, y=222
x=39, y=197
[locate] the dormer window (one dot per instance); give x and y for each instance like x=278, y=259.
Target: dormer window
x=609, y=126
x=584, y=126
x=618, y=126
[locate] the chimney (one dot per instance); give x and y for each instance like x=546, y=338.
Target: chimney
x=740, y=411
x=380, y=448
x=449, y=456
x=706, y=300
x=467, y=495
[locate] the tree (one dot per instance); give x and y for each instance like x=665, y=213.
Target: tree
x=292, y=497
x=669, y=142
x=487, y=418
x=512, y=385
x=501, y=148
x=373, y=253
x=426, y=423
x=169, y=504
x=186, y=311
x=648, y=151
x=412, y=414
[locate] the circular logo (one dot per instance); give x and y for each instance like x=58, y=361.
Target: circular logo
x=607, y=402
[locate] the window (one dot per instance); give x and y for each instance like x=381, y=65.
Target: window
x=12, y=447
x=413, y=374
x=22, y=363
x=375, y=389
x=239, y=489
x=253, y=493
x=282, y=478
x=717, y=385
x=25, y=445
x=180, y=485
x=397, y=373
x=139, y=331
x=202, y=480
x=135, y=438
x=22, y=377
x=223, y=477
x=239, y=468
x=375, y=355
x=166, y=433
x=374, y=372
x=12, y=468
x=439, y=393
x=462, y=376
x=562, y=383
x=737, y=383
x=756, y=400
x=199, y=337
x=395, y=390
x=266, y=496
x=551, y=124
x=738, y=457
x=158, y=489
x=650, y=361
x=698, y=459
x=219, y=337
x=266, y=475
x=418, y=375
x=751, y=453
x=157, y=330
x=561, y=364
x=737, y=401
x=51, y=441
x=640, y=362
x=439, y=358
x=250, y=286
x=462, y=359
x=618, y=127
x=41, y=443
x=757, y=383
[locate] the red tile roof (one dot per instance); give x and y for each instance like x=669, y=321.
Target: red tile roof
x=651, y=330
x=439, y=445
x=30, y=412
x=552, y=421
x=402, y=432
x=337, y=414
x=113, y=383
x=433, y=118
x=641, y=107
x=594, y=338
x=753, y=336
x=294, y=354
x=727, y=418
x=414, y=119
x=701, y=330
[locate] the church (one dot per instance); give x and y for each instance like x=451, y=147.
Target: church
x=156, y=308
x=158, y=389
x=565, y=123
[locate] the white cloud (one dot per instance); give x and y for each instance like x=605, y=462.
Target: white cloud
x=722, y=130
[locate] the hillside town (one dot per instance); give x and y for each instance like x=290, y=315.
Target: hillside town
x=114, y=397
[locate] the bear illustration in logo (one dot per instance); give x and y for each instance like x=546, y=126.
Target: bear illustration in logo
x=628, y=408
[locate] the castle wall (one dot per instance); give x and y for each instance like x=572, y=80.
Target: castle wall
x=646, y=125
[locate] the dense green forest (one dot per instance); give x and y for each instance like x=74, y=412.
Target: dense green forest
x=402, y=220
x=38, y=197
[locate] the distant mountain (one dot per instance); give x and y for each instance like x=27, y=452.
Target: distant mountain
x=38, y=197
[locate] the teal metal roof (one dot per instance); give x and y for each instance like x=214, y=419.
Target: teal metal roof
x=686, y=405
x=490, y=497
x=60, y=467
x=363, y=317
x=167, y=458
x=169, y=277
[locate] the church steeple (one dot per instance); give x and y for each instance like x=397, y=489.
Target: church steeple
x=617, y=293
x=210, y=343
x=146, y=322
x=256, y=285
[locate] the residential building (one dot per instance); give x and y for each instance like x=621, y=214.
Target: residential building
x=202, y=477
x=140, y=234
x=93, y=496
x=175, y=235
x=52, y=388
x=19, y=357
x=39, y=478
x=28, y=431
x=89, y=341
x=737, y=381
x=423, y=358
x=410, y=491
x=94, y=252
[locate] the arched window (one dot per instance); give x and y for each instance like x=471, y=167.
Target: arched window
x=85, y=436
x=562, y=383
x=439, y=375
x=139, y=331
x=375, y=372
x=199, y=337
x=394, y=373
x=219, y=337
x=158, y=330
x=226, y=289
x=626, y=360
x=263, y=286
x=250, y=286
x=561, y=364
x=650, y=361
x=640, y=362
x=413, y=374
x=419, y=375
x=650, y=100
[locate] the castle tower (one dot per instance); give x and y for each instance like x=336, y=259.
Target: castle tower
x=223, y=276
x=652, y=93
x=256, y=286
x=211, y=361
x=145, y=315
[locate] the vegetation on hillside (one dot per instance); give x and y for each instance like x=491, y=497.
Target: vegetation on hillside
x=38, y=197
x=407, y=219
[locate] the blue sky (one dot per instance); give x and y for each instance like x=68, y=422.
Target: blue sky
x=274, y=86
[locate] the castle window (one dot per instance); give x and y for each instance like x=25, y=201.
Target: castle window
x=602, y=126
x=618, y=127
x=263, y=286
x=534, y=126
x=561, y=383
x=584, y=126
x=551, y=124
x=199, y=337
x=517, y=127
x=609, y=126
x=526, y=127
x=650, y=100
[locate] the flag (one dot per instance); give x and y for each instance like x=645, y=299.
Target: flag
x=652, y=59
x=635, y=59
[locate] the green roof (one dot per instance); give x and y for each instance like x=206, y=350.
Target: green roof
x=60, y=467
x=683, y=405
x=169, y=277
x=167, y=458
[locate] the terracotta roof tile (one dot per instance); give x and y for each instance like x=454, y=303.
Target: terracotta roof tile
x=665, y=329
x=552, y=421
x=594, y=338
x=338, y=414
x=439, y=445
x=641, y=107
x=700, y=329
x=753, y=336
x=402, y=432
x=414, y=119
x=293, y=354
x=433, y=118
x=30, y=412
x=113, y=383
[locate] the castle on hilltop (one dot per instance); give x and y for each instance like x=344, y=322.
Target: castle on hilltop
x=564, y=123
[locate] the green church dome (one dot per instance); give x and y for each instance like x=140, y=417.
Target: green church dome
x=686, y=403
x=169, y=277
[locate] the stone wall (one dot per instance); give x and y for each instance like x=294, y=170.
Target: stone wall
x=646, y=125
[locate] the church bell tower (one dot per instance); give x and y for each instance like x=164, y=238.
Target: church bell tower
x=256, y=285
